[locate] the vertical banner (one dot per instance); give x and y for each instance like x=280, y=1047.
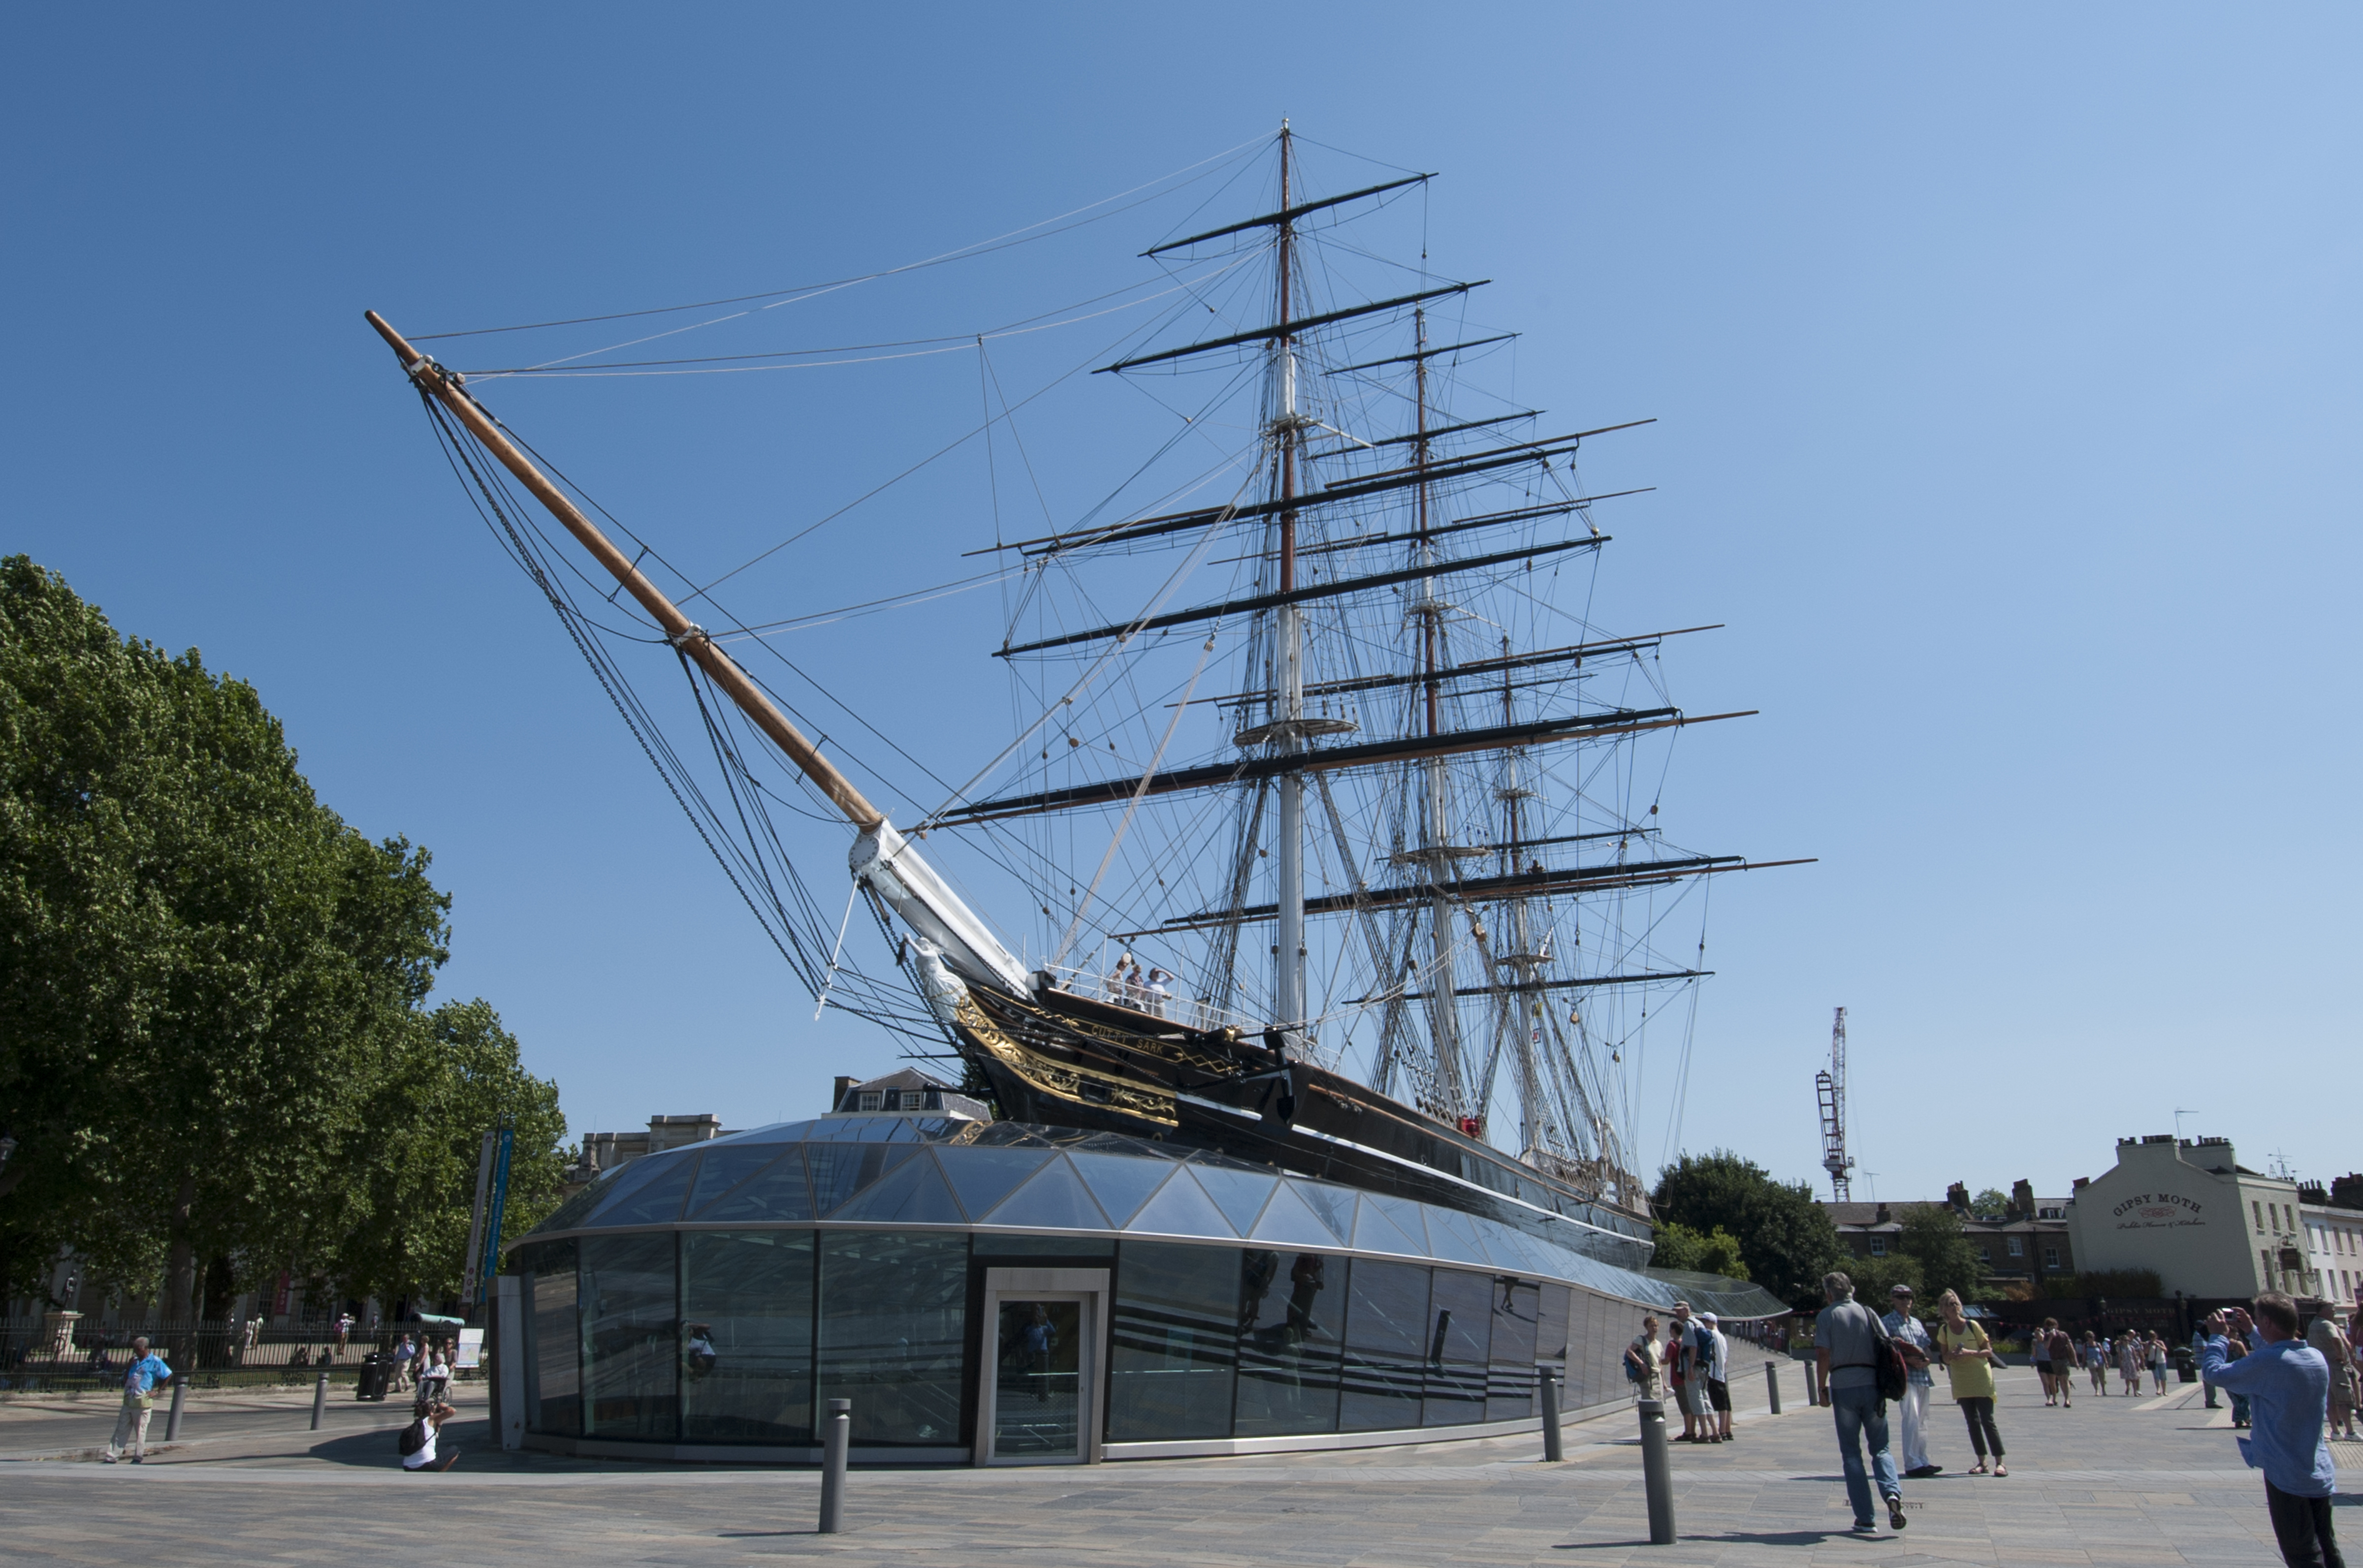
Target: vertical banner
x=487, y=1263
x=476, y=1224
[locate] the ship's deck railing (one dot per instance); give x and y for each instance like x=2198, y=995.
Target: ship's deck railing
x=1158, y=1000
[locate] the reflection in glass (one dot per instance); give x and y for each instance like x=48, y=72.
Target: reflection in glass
x=1386, y=1346
x=1510, y=1375
x=1176, y=1342
x=553, y=1346
x=893, y=1317
x=746, y=1336
x=1288, y=1319
x=653, y=1201
x=726, y=1166
x=1460, y=1313
x=1038, y=1397
x=629, y=1314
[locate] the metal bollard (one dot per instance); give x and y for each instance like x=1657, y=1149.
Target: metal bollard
x=1554, y=1449
x=1772, y=1383
x=839, y=1434
x=1657, y=1472
x=1813, y=1383
x=319, y=1399
x=172, y=1421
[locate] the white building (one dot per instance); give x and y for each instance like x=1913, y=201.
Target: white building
x=2188, y=1210
x=2334, y=1241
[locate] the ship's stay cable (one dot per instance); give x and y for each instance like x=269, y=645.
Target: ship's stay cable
x=1015, y=236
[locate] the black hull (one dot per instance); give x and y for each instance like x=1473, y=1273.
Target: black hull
x=1068, y=1061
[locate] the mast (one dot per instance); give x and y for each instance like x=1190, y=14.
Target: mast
x=1436, y=836
x=882, y=860
x=1288, y=652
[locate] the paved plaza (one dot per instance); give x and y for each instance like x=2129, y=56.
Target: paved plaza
x=2112, y=1481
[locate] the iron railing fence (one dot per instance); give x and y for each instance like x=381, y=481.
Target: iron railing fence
x=41, y=1354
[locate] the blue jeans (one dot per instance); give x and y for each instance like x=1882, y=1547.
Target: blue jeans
x=1861, y=1413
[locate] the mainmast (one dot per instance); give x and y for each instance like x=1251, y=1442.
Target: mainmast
x=1288, y=1004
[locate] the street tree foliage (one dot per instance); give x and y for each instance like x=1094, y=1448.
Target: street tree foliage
x=1786, y=1239
x=1990, y=1203
x=208, y=980
x=1715, y=1251
x=1933, y=1237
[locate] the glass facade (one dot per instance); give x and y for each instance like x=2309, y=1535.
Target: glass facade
x=717, y=1295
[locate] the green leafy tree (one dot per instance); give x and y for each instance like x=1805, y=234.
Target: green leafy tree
x=1874, y=1278
x=1786, y=1239
x=207, y=973
x=1933, y=1237
x=1716, y=1251
x=457, y=1075
x=1990, y=1203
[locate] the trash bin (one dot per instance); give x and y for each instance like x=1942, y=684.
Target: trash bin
x=376, y=1372
x=2186, y=1368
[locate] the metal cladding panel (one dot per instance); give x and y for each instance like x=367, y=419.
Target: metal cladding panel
x=982, y=1178
x=914, y=1193
x=1056, y=1199
x=1182, y=1208
x=1121, y=1182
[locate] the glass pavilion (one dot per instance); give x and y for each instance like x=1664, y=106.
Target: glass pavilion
x=995, y=1292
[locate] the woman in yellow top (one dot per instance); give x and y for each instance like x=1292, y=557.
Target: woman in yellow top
x=1970, y=1361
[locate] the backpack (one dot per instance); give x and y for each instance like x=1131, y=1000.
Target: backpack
x=413, y=1439
x=1893, y=1374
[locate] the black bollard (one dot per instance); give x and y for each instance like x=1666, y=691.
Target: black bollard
x=172, y=1421
x=1772, y=1383
x=1553, y=1449
x=1657, y=1472
x=319, y=1399
x=836, y=1437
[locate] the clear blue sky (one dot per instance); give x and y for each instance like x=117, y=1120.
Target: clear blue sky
x=2004, y=359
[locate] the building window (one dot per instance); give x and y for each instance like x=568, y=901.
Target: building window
x=1879, y=1246
x=2051, y=1257
x=1985, y=1254
x=2256, y=1212
x=2017, y=1247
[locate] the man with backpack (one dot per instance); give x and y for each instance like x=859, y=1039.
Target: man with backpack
x=421, y=1438
x=1852, y=1347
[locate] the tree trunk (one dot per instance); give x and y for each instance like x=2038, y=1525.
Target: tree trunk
x=181, y=1277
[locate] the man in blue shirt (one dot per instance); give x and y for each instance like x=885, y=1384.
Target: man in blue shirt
x=141, y=1381
x=1912, y=1411
x=2287, y=1383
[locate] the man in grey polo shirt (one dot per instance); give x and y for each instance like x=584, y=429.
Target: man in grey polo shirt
x=1849, y=1339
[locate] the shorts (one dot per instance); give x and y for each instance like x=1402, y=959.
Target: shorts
x=1718, y=1394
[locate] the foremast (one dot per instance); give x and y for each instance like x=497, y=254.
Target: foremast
x=953, y=938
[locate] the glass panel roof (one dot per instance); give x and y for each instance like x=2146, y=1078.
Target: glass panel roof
x=1054, y=1200
x=914, y=1194
x=1182, y=1208
x=1290, y=1221
x=654, y=1198
x=1120, y=1182
x=726, y=1168
x=1240, y=1194
x=778, y=1194
x=886, y=1169
x=983, y=1178
x=840, y=1170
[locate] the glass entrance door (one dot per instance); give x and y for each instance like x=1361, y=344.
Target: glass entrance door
x=1037, y=1400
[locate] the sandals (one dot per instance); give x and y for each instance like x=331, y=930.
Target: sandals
x=2000, y=1469
x=1979, y=1468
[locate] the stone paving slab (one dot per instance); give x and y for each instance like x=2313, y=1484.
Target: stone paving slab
x=2110, y=1482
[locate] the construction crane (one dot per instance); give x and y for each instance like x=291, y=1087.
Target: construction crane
x=1830, y=1084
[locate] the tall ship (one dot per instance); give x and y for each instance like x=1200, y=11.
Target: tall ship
x=1327, y=835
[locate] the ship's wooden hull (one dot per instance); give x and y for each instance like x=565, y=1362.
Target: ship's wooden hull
x=1071, y=1060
